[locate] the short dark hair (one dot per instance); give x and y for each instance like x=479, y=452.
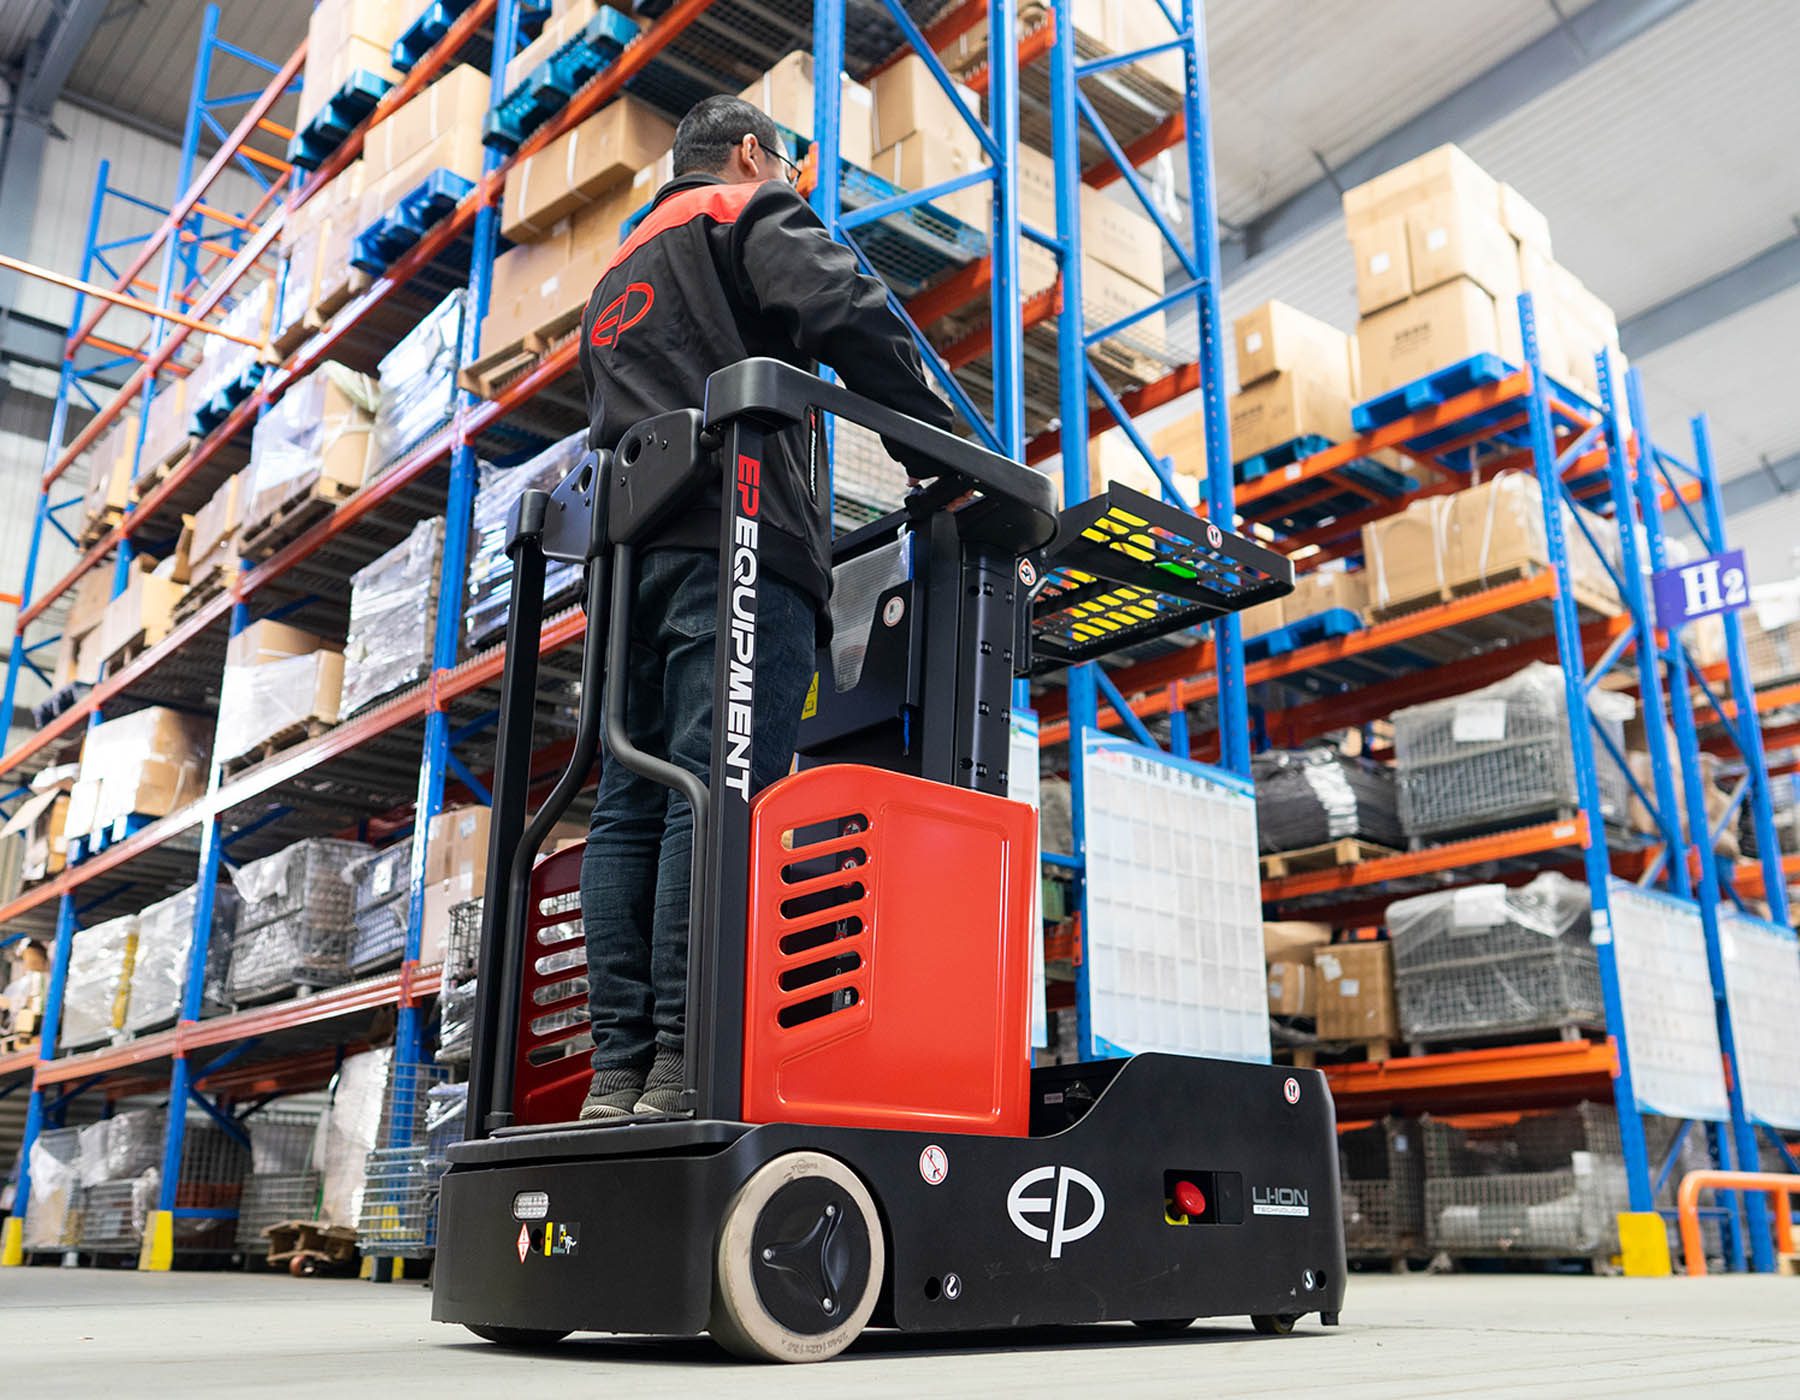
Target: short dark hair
x=713, y=126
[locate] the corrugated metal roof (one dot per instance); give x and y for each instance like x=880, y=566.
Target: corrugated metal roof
x=20, y=21
x=143, y=61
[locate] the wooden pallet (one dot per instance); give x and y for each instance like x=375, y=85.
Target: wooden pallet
x=1348, y=851
x=152, y=474
x=1372, y=1049
x=498, y=367
x=1569, y=1033
x=279, y=742
x=140, y=642
x=333, y=299
x=1600, y=601
x=292, y=518
x=96, y=527
x=202, y=591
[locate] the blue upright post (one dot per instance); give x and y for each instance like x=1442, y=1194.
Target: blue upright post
x=409, y=1028
x=1643, y=631
x=1587, y=784
x=1234, y=720
x=1065, y=139
x=828, y=117
x=1743, y=696
x=1007, y=309
x=12, y=1238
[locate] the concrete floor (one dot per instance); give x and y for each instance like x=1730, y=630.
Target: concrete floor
x=115, y=1334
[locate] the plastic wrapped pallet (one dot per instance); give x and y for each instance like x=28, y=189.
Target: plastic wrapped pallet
x=164, y=937
x=146, y=763
x=315, y=439
x=393, y=617
x=418, y=383
x=52, y=1217
x=352, y=1125
x=295, y=919
x=490, y=567
x=1490, y=960
x=1499, y=756
x=99, y=983
x=1310, y=797
x=283, y=700
x=380, y=899
x=1548, y=1185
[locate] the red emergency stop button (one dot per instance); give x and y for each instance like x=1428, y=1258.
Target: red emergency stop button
x=1189, y=1198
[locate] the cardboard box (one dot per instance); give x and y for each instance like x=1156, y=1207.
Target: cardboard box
x=343, y=36
x=1356, y=992
x=278, y=696
x=1429, y=332
x=1446, y=170
x=1121, y=237
x=216, y=523
x=536, y=284
x=1183, y=442
x=605, y=151
x=1522, y=219
x=457, y=843
x=1324, y=590
x=1108, y=296
x=1264, y=617
x=1276, y=337
x=1113, y=458
x=143, y=613
x=1404, y=555
x=921, y=160
x=907, y=99
x=457, y=98
x=1293, y=986
x=1448, y=236
x=1383, y=263
x=149, y=762
x=315, y=440
x=266, y=641
x=1285, y=406
x=87, y=605
x=441, y=896
x=165, y=424
x=1293, y=937
x=786, y=92
x=1496, y=532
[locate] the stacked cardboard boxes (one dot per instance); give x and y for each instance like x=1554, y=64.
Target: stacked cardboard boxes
x=281, y=686
x=1356, y=991
x=347, y=36
x=213, y=556
x=1442, y=252
x=785, y=92
x=1445, y=545
x=165, y=430
x=146, y=763
x=440, y=129
x=455, y=870
x=143, y=613
x=109, y=475
x=1101, y=27
x=581, y=167
x=1296, y=380
x=920, y=139
x=1288, y=950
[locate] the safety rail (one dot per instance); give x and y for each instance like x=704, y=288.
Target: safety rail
x=1780, y=1188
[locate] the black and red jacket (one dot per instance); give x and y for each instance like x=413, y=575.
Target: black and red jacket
x=720, y=272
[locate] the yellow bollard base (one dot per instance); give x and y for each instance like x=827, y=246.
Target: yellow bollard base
x=157, y=1252
x=1644, y=1244
x=12, y=1242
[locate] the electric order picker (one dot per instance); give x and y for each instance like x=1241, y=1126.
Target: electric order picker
x=864, y=1139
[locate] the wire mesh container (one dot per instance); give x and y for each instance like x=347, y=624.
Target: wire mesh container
x=456, y=996
x=381, y=900
x=113, y=1214
x=120, y=1169
x=1784, y=800
x=53, y=1215
x=1381, y=1169
x=282, y=1184
x=296, y=919
x=1498, y=757
x=1488, y=960
x=1540, y=1185
x=421, y=1118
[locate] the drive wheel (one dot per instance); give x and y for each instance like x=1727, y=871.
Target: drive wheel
x=799, y=1261
x=1162, y=1326
x=515, y=1336
x=1274, y=1324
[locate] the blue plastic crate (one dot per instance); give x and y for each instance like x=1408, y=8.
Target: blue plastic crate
x=378, y=244
x=342, y=113
x=1426, y=392
x=1319, y=627
x=547, y=89
x=208, y=415
x=911, y=248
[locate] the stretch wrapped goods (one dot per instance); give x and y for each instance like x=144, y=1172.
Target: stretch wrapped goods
x=418, y=383
x=315, y=437
x=352, y=1127
x=393, y=617
x=490, y=567
x=1500, y=756
x=1311, y=797
x=99, y=982
x=145, y=764
x=51, y=1217
x=380, y=898
x=294, y=919
x=165, y=937
x=1488, y=959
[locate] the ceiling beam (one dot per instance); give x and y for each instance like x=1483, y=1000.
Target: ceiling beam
x=1574, y=44
x=1770, y=272
x=52, y=55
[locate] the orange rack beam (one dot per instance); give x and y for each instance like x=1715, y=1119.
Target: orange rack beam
x=20, y=1060
x=1454, y=855
x=1507, y=1076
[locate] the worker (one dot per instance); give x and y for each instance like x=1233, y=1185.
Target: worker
x=729, y=263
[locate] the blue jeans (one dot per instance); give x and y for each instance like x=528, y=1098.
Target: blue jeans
x=634, y=872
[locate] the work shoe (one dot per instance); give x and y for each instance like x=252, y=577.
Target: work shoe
x=662, y=1091
x=613, y=1093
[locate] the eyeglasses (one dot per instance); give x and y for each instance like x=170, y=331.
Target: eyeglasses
x=790, y=168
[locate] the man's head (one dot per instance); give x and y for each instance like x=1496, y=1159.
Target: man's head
x=727, y=137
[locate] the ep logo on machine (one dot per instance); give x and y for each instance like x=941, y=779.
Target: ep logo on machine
x=742, y=692
x=1055, y=1203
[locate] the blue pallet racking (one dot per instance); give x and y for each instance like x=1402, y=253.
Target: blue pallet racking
x=399, y=759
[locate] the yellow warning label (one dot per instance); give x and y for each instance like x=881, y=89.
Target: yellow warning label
x=811, y=707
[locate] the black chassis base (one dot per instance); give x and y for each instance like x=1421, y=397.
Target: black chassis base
x=635, y=1210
